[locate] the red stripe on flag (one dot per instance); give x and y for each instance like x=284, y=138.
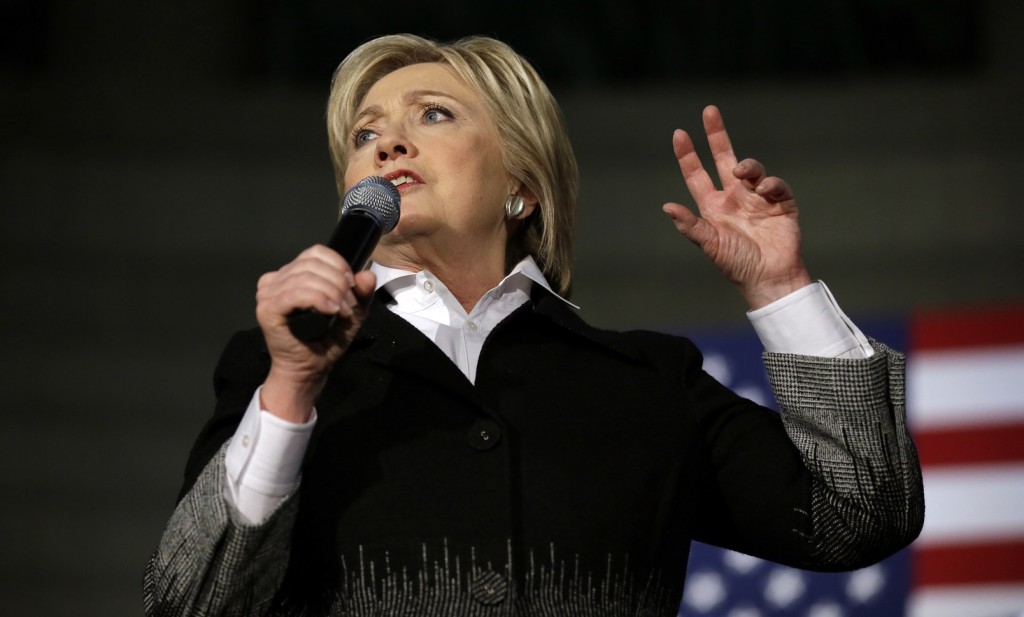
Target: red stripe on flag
x=980, y=327
x=974, y=444
x=957, y=564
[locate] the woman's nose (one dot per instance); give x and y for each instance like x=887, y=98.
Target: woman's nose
x=392, y=144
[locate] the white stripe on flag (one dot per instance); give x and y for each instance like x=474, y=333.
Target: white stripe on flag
x=967, y=601
x=950, y=388
x=971, y=503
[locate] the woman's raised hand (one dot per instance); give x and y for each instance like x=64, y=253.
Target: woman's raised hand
x=748, y=228
x=319, y=279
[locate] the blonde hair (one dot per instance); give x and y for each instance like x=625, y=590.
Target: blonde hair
x=535, y=146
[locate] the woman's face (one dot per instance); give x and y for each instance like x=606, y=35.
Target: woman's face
x=430, y=134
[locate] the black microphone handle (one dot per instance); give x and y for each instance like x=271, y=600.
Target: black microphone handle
x=354, y=238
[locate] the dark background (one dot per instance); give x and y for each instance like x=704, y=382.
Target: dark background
x=155, y=158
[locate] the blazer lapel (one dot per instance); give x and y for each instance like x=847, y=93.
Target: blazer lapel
x=389, y=341
x=553, y=308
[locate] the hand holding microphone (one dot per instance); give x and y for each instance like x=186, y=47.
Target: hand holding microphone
x=305, y=343
x=370, y=209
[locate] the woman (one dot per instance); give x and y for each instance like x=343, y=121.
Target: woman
x=466, y=444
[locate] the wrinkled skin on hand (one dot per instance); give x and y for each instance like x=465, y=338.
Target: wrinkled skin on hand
x=748, y=228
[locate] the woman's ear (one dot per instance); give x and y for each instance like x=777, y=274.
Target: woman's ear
x=530, y=201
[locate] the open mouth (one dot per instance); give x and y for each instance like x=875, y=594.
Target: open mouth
x=403, y=178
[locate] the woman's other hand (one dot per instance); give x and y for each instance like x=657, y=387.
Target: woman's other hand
x=748, y=228
x=319, y=279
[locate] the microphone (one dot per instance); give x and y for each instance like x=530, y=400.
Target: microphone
x=369, y=210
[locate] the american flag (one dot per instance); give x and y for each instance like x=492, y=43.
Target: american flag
x=965, y=378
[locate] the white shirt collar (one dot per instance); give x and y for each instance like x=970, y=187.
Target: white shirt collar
x=420, y=290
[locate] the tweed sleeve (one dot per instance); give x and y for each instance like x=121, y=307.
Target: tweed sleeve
x=209, y=562
x=847, y=418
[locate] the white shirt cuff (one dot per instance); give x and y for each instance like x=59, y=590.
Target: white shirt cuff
x=809, y=322
x=263, y=460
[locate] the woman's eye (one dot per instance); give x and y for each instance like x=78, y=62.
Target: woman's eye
x=436, y=113
x=363, y=136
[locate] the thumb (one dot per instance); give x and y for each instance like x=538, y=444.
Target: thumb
x=696, y=229
x=364, y=284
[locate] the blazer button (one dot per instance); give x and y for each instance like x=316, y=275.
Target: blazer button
x=484, y=434
x=488, y=588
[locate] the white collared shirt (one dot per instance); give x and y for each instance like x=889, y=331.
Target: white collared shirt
x=426, y=303
x=264, y=457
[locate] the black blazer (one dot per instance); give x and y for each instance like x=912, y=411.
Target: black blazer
x=581, y=462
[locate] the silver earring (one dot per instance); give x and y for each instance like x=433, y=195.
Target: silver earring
x=514, y=206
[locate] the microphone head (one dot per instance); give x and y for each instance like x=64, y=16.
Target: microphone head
x=377, y=197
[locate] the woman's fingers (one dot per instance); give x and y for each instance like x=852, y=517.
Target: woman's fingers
x=750, y=173
x=720, y=144
x=775, y=189
x=284, y=292
x=697, y=180
x=318, y=278
x=754, y=178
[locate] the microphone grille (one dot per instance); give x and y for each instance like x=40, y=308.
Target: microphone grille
x=377, y=197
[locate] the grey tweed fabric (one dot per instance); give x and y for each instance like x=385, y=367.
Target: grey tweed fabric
x=221, y=564
x=848, y=420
